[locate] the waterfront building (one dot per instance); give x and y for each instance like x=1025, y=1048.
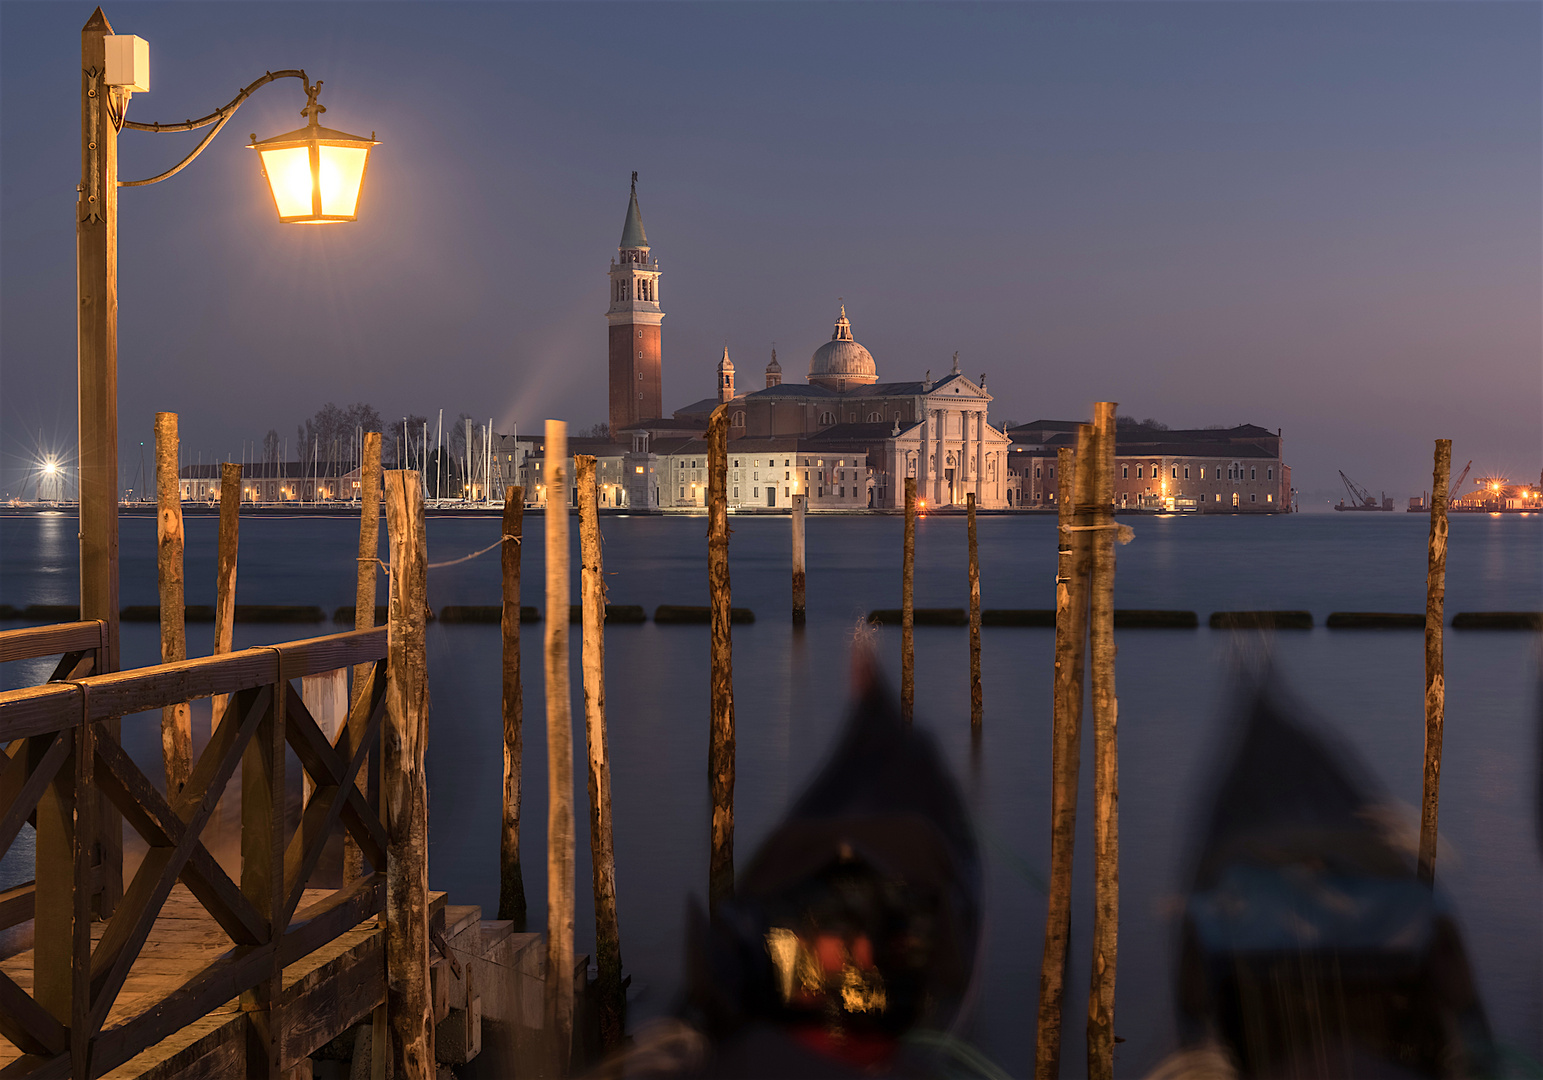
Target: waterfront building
x=1205, y=470
x=274, y=482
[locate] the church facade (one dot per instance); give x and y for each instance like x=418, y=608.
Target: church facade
x=938, y=432
x=842, y=437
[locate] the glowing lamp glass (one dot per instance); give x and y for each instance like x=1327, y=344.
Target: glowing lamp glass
x=315, y=173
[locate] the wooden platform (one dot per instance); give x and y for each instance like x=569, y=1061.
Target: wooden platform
x=325, y=993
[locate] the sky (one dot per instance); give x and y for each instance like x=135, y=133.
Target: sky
x=1323, y=218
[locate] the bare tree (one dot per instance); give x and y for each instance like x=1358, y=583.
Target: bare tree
x=271, y=447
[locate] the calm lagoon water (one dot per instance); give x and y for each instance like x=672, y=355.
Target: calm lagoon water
x=790, y=691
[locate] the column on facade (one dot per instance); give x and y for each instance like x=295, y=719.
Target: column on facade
x=980, y=456
x=939, y=448
x=923, y=449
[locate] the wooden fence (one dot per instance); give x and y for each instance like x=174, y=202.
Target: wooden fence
x=61, y=744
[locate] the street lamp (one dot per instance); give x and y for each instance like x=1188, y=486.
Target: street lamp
x=314, y=172
x=314, y=175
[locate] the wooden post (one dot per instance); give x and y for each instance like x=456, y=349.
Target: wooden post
x=409, y=1005
x=1435, y=671
x=799, y=504
x=908, y=606
x=225, y=573
x=96, y=283
x=601, y=847
x=559, y=752
x=1071, y=609
x=976, y=703
x=176, y=720
x=367, y=572
x=720, y=753
x=511, y=883
x=1106, y=779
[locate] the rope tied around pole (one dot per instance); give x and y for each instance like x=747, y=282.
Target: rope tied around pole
x=385, y=566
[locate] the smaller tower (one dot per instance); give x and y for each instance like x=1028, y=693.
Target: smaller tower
x=774, y=371
x=725, y=377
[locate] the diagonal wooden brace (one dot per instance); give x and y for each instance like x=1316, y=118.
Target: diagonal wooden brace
x=327, y=765
x=176, y=850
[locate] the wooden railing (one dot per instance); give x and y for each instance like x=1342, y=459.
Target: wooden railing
x=82, y=649
x=61, y=744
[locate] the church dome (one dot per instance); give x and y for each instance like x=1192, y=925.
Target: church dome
x=841, y=361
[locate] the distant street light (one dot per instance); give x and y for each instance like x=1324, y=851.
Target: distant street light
x=314, y=175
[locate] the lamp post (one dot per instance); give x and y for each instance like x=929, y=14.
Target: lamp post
x=314, y=175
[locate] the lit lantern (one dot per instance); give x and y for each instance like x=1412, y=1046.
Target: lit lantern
x=314, y=172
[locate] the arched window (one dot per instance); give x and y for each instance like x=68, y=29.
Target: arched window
x=827, y=418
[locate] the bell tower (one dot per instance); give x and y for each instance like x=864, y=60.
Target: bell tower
x=636, y=375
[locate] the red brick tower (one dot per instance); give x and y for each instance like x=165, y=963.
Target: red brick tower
x=637, y=391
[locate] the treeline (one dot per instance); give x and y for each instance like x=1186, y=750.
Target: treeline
x=333, y=435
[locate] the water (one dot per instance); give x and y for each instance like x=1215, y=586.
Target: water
x=790, y=689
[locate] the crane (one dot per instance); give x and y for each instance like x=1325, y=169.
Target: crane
x=1359, y=496
x=1452, y=491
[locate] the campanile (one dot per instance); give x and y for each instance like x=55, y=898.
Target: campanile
x=634, y=317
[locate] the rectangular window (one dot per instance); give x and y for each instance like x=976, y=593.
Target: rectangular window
x=682, y=493
x=1253, y=473
x=736, y=493
x=1269, y=474
x=1125, y=472
x=1138, y=472
x=1202, y=472
x=1186, y=472
x=1218, y=498
x=1036, y=472
x=1052, y=470
x=755, y=493
x=1269, y=498
x=1252, y=497
x=821, y=491
x=1175, y=472
x=843, y=492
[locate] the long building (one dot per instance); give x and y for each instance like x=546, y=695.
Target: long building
x=1202, y=470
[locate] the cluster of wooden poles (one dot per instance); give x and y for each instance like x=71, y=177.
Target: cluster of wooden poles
x=1084, y=620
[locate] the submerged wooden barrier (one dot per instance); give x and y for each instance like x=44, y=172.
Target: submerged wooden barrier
x=1124, y=618
x=484, y=613
x=1375, y=620
x=1498, y=620
x=693, y=614
x=1261, y=620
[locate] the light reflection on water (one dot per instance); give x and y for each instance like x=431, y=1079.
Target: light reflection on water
x=790, y=691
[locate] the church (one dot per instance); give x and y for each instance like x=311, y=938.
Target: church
x=842, y=437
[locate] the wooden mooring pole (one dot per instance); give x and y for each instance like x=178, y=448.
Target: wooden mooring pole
x=176, y=720
x=409, y=1005
x=559, y=754
x=977, y=705
x=367, y=567
x=908, y=606
x=225, y=573
x=1106, y=779
x=800, y=502
x=1071, y=610
x=511, y=882
x=720, y=751
x=1435, y=670
x=601, y=845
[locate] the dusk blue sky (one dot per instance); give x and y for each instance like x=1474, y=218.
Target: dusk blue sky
x=1321, y=217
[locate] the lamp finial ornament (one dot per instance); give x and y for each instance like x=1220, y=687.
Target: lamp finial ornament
x=313, y=108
